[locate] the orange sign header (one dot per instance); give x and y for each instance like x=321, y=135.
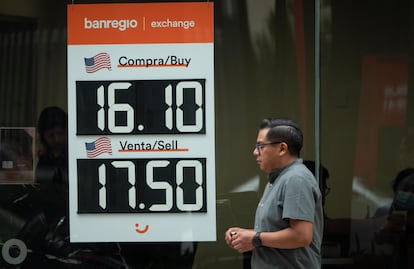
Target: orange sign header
x=140, y=23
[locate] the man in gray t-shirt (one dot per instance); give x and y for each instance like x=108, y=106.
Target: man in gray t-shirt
x=289, y=217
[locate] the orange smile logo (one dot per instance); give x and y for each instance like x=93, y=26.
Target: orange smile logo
x=141, y=231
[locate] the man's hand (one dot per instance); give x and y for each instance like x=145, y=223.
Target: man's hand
x=240, y=239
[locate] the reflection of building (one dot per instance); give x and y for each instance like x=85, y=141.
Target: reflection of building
x=406, y=150
x=382, y=107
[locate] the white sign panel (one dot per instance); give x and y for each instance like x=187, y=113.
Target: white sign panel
x=141, y=122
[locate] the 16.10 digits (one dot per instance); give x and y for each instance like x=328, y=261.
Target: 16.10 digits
x=141, y=185
x=140, y=107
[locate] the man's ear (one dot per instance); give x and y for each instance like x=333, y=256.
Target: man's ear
x=283, y=149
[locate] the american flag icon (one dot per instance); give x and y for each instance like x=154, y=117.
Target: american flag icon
x=99, y=146
x=97, y=62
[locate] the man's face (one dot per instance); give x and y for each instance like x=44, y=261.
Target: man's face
x=267, y=156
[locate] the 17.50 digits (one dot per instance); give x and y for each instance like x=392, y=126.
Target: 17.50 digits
x=141, y=185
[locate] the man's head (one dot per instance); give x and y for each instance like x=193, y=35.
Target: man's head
x=279, y=142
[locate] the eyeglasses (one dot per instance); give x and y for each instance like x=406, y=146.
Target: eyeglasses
x=260, y=146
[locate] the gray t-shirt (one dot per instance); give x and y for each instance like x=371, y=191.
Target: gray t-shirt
x=292, y=193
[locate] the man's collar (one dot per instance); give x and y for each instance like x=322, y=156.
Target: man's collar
x=274, y=174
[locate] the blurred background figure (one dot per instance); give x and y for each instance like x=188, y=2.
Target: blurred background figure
x=323, y=177
x=397, y=230
x=402, y=186
x=52, y=165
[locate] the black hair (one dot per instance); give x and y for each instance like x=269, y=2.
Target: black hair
x=400, y=176
x=51, y=117
x=286, y=130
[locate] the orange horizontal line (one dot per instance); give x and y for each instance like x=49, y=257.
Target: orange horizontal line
x=152, y=150
x=152, y=65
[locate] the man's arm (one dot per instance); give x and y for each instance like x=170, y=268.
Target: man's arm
x=299, y=234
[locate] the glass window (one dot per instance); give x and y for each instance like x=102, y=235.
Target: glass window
x=264, y=67
x=366, y=127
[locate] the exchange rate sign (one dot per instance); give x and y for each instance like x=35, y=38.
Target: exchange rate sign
x=141, y=122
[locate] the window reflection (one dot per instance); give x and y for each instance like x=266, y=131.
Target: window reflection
x=263, y=67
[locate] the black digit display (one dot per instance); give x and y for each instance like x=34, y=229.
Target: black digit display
x=140, y=107
x=142, y=185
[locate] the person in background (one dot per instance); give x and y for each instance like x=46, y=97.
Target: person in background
x=323, y=177
x=397, y=229
x=396, y=214
x=45, y=205
x=399, y=183
x=52, y=165
x=289, y=217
